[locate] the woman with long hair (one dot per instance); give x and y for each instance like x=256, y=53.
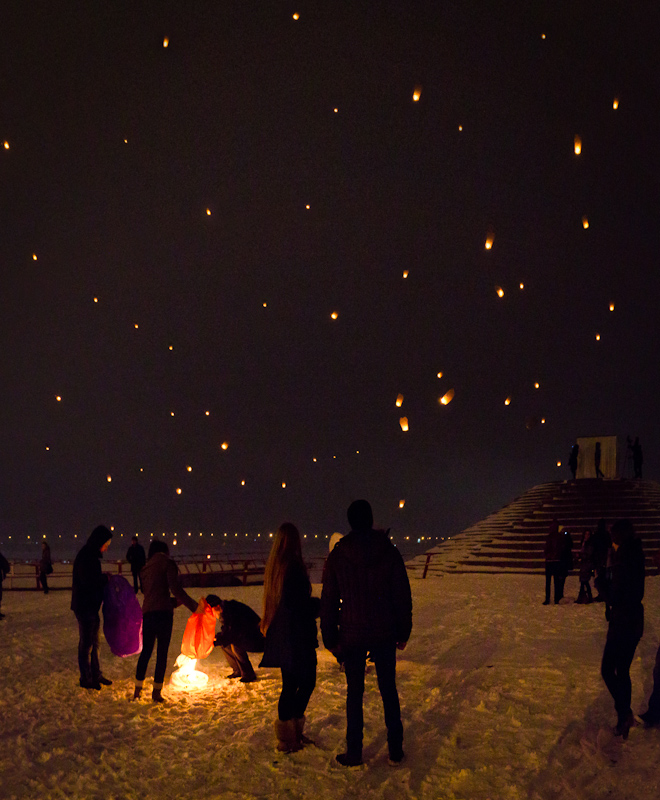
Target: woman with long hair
x=289, y=625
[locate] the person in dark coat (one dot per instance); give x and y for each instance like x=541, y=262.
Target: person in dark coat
x=162, y=594
x=88, y=582
x=573, y=459
x=366, y=608
x=625, y=613
x=597, y=457
x=586, y=568
x=601, y=547
x=5, y=566
x=239, y=635
x=137, y=559
x=289, y=625
x=554, y=551
x=45, y=565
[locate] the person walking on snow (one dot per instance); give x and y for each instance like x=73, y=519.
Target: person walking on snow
x=366, y=608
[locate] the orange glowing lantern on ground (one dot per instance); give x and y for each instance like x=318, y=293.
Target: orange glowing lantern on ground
x=399, y=400
x=446, y=398
x=577, y=145
x=404, y=423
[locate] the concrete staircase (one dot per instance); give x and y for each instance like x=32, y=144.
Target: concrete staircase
x=512, y=539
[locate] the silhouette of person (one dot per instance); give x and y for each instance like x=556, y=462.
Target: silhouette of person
x=638, y=459
x=573, y=459
x=599, y=473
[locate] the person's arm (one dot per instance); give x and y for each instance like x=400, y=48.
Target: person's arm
x=180, y=595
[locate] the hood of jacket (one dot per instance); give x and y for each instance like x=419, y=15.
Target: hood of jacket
x=98, y=537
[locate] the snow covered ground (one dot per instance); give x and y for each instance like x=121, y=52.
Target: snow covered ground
x=501, y=698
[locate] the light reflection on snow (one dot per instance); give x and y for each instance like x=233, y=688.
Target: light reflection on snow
x=186, y=676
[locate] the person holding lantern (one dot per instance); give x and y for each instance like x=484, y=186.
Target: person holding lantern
x=289, y=625
x=160, y=580
x=88, y=583
x=239, y=635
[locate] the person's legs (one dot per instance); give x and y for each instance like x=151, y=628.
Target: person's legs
x=286, y=707
x=96, y=667
x=243, y=662
x=385, y=659
x=164, y=625
x=548, y=580
x=148, y=641
x=43, y=579
x=231, y=660
x=85, y=628
x=652, y=715
x=306, y=684
x=615, y=670
x=135, y=582
x=354, y=664
x=560, y=579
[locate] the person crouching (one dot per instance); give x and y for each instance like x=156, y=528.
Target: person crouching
x=239, y=635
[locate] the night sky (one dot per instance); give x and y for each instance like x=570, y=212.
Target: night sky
x=199, y=211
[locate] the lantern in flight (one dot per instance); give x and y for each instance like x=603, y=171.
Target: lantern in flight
x=577, y=145
x=500, y=291
x=417, y=93
x=224, y=445
x=507, y=402
x=404, y=423
x=489, y=242
x=615, y=103
x=585, y=223
x=399, y=400
x=447, y=398
x=402, y=503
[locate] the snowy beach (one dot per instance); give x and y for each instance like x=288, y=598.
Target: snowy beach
x=501, y=698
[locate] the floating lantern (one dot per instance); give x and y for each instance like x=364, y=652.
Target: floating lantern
x=136, y=325
x=417, y=93
x=559, y=463
x=242, y=483
x=507, y=402
x=224, y=445
x=577, y=145
x=265, y=305
x=615, y=103
x=186, y=676
x=402, y=503
x=399, y=400
x=34, y=256
x=598, y=337
x=489, y=242
x=307, y=207
x=5, y=145
x=334, y=315
x=58, y=398
x=405, y=273
x=284, y=484
x=296, y=15
x=208, y=212
x=439, y=375
x=109, y=478
x=585, y=223
x=536, y=385
x=543, y=421
x=460, y=127
x=207, y=413
x=189, y=469
x=96, y=299
x=522, y=286
x=446, y=399
x=500, y=291
x=611, y=306
x=543, y=36
x=178, y=491
x=171, y=348
x=404, y=423
x=171, y=413
x=166, y=42
x=335, y=110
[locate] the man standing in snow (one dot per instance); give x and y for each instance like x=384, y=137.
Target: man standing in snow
x=136, y=557
x=366, y=608
x=86, y=598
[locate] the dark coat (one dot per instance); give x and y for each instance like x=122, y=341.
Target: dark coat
x=554, y=544
x=601, y=545
x=291, y=638
x=160, y=577
x=136, y=557
x=625, y=590
x=5, y=566
x=239, y=625
x=366, y=597
x=88, y=580
x=46, y=562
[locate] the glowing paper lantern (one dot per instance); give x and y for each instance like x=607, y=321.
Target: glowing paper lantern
x=284, y=484
x=559, y=463
x=446, y=399
x=585, y=223
x=166, y=42
x=178, y=491
x=598, y=337
x=265, y=305
x=577, y=145
x=5, y=145
x=543, y=421
x=536, y=385
x=136, y=325
x=615, y=103
x=404, y=423
x=242, y=483
x=307, y=207
x=402, y=503
x=96, y=299
x=186, y=676
x=507, y=402
x=500, y=291
x=334, y=315
x=522, y=286
x=399, y=400
x=335, y=110
x=296, y=15
x=58, y=398
x=189, y=469
x=208, y=212
x=489, y=242
x=224, y=445
x=405, y=273
x=207, y=413
x=109, y=478
x=460, y=127
x=439, y=375
x=34, y=256
x=611, y=306
x=417, y=93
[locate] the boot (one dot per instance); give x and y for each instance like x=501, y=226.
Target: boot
x=287, y=739
x=156, y=695
x=624, y=725
x=138, y=690
x=300, y=736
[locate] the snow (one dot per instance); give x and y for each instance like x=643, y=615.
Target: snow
x=501, y=698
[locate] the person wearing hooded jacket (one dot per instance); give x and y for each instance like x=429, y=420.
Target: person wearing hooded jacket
x=160, y=580
x=625, y=613
x=366, y=608
x=88, y=582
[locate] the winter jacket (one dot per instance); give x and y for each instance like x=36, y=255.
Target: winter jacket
x=239, y=625
x=625, y=590
x=136, y=557
x=160, y=577
x=88, y=580
x=5, y=566
x=366, y=597
x=46, y=563
x=554, y=544
x=291, y=638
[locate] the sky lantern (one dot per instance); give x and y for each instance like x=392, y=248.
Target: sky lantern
x=507, y=402
x=405, y=273
x=207, y=413
x=334, y=315
x=536, y=385
x=307, y=207
x=522, y=286
x=34, y=256
x=185, y=676
x=399, y=400
x=500, y=291
x=242, y=483
x=189, y=469
x=585, y=223
x=402, y=503
x=559, y=463
x=96, y=299
x=577, y=145
x=404, y=423
x=296, y=16
x=439, y=375
x=208, y=212
x=598, y=337
x=166, y=42
x=265, y=305
x=224, y=445
x=611, y=306
x=109, y=478
x=284, y=484
x=460, y=127
x=615, y=103
x=5, y=145
x=446, y=398
x=58, y=398
x=178, y=491
x=417, y=93
x=136, y=325
x=489, y=242
x=335, y=110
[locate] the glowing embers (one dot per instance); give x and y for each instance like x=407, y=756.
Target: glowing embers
x=446, y=398
x=577, y=145
x=404, y=423
x=186, y=677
